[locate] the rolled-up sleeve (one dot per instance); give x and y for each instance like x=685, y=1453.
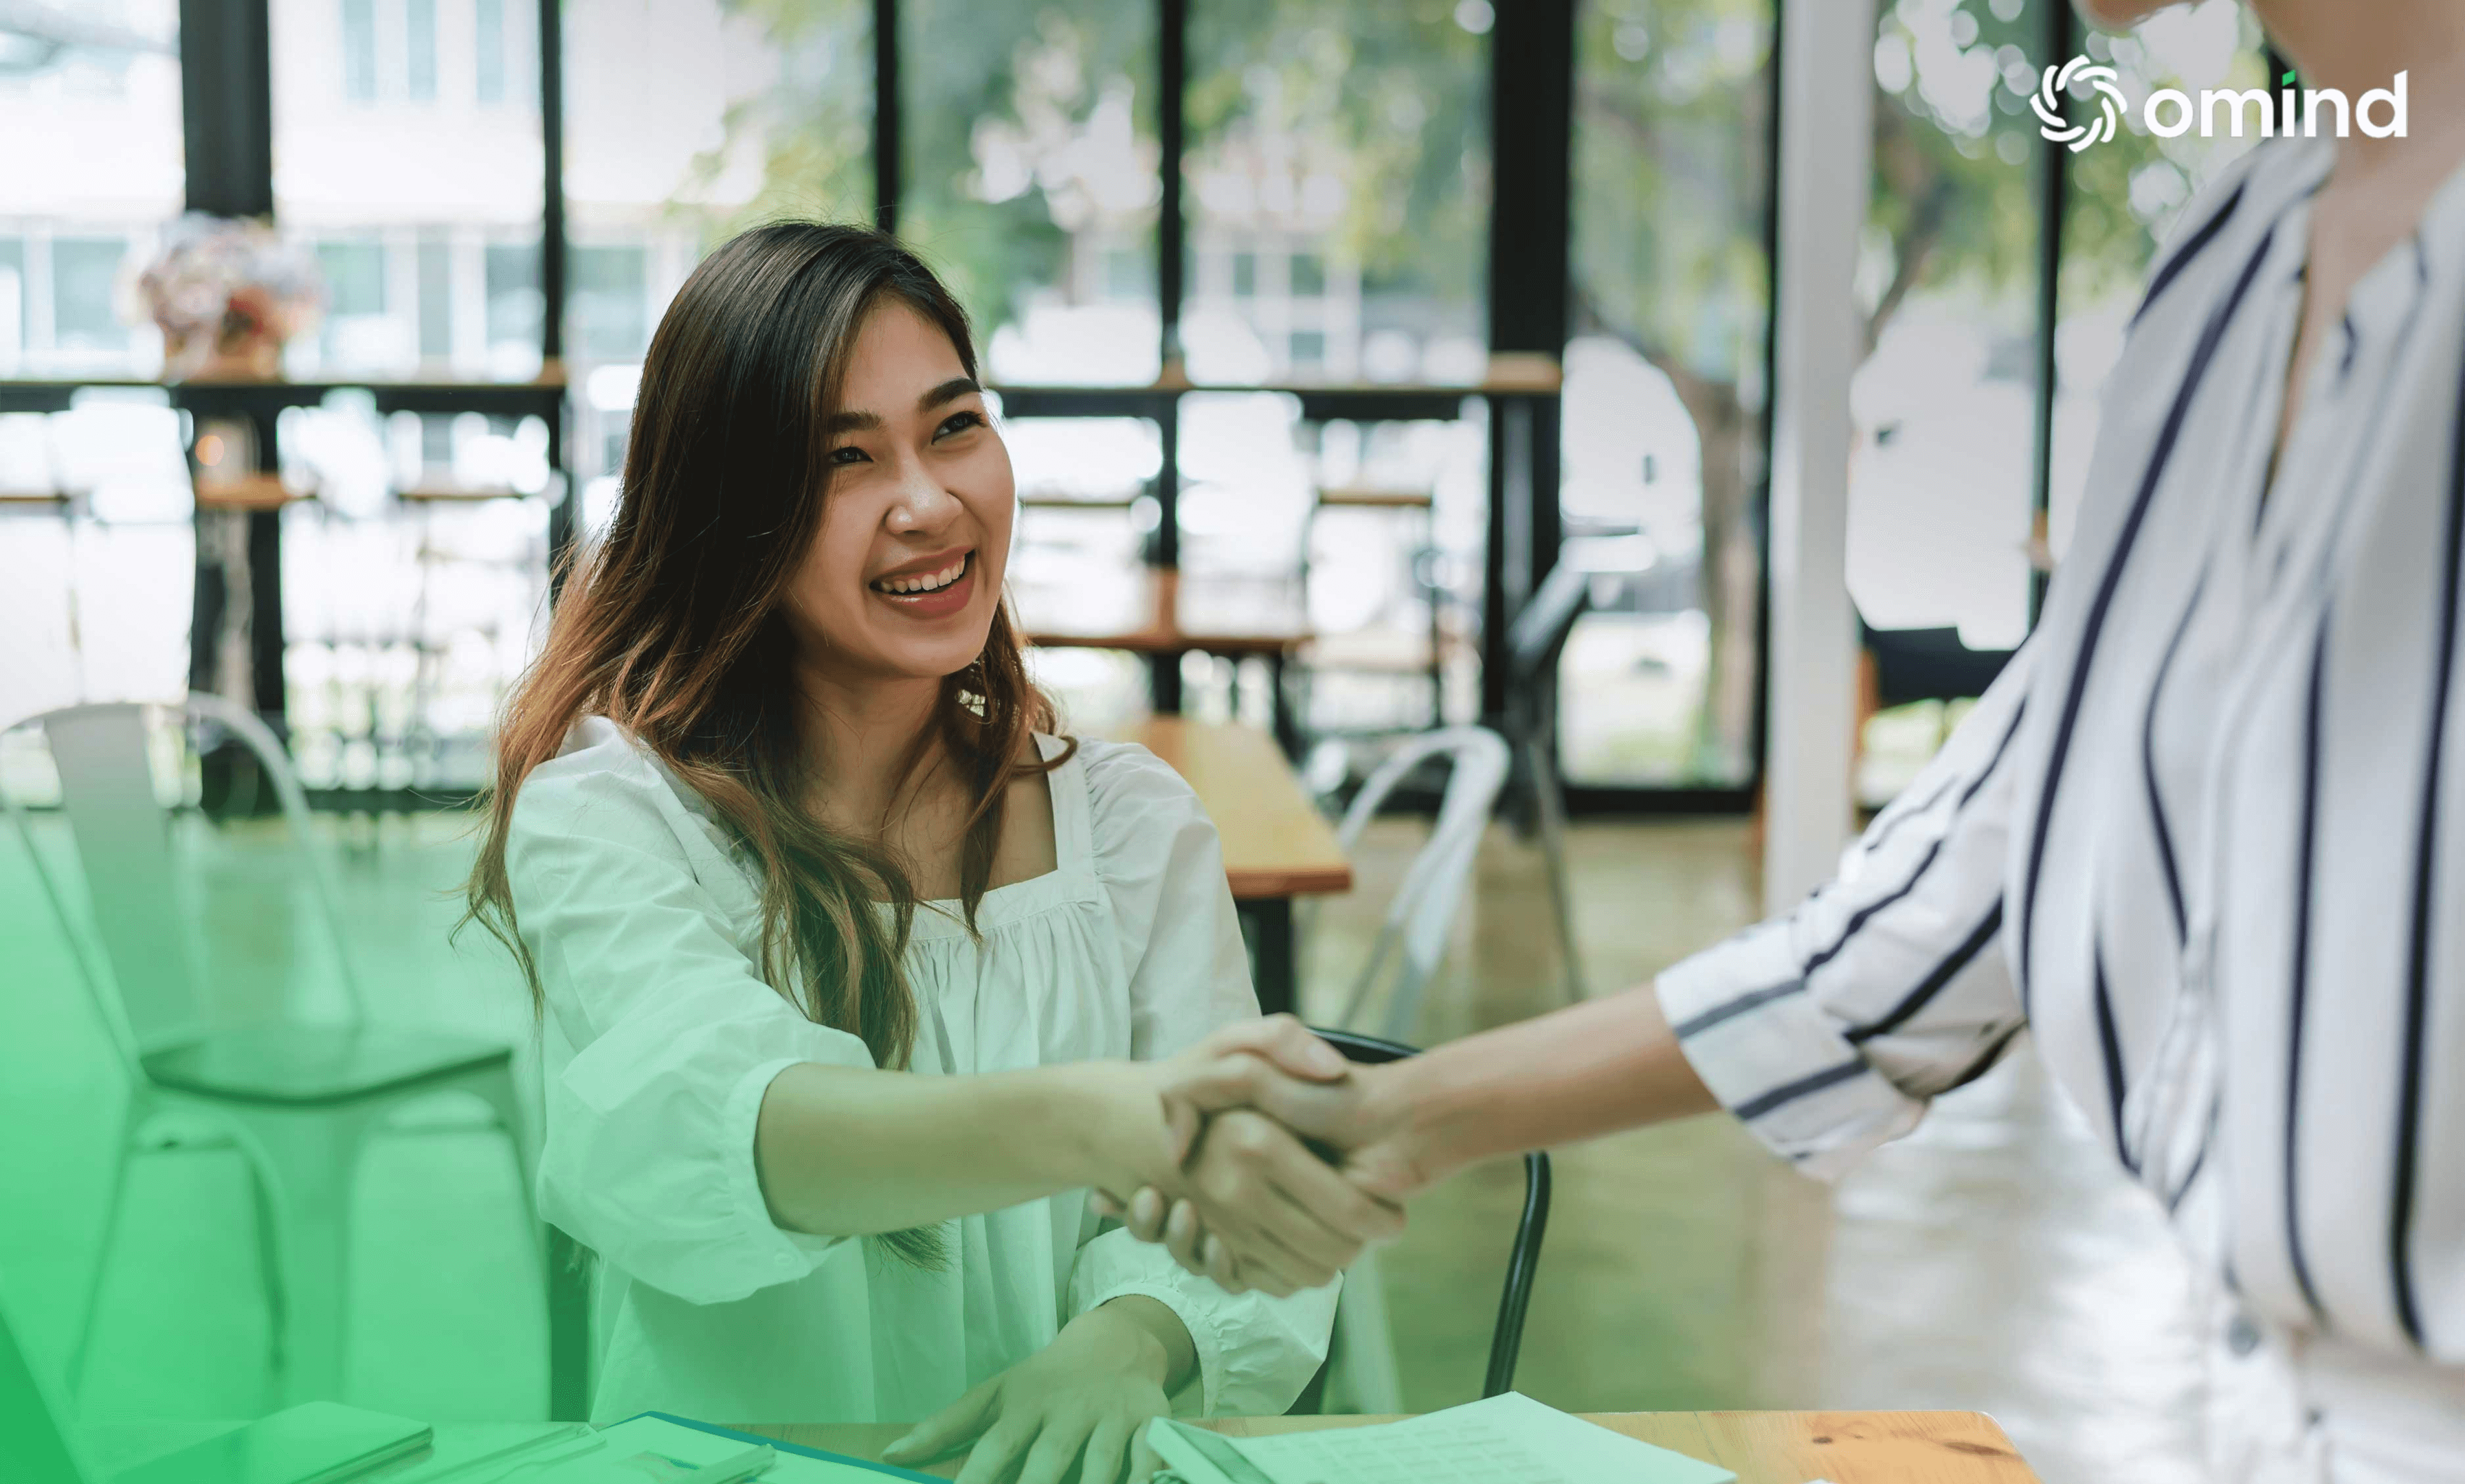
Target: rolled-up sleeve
x=1163, y=865
x=647, y=1157
x=1826, y=1031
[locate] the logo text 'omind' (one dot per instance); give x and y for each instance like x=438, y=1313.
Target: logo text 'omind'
x=2169, y=113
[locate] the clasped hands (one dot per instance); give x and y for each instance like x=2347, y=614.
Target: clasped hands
x=1280, y=1159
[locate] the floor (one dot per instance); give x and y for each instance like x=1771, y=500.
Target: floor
x=1995, y=1260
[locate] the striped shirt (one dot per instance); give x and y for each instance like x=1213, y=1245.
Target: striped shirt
x=2205, y=836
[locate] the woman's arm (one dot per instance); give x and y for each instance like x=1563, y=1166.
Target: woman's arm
x=704, y=1134
x=849, y=1152
x=1591, y=1069
x=1825, y=1030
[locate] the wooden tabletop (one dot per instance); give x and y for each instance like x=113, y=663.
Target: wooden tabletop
x=1276, y=842
x=1366, y=497
x=247, y=492
x=1759, y=1448
x=1158, y=611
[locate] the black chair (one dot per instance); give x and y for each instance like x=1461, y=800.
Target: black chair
x=1928, y=664
x=1903, y=665
x=1523, y=1259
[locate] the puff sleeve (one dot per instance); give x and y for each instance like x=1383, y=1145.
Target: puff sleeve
x=649, y=1150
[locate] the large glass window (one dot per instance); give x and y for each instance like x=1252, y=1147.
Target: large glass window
x=1664, y=400
x=428, y=260
x=1337, y=190
x=684, y=121
x=1943, y=477
x=1031, y=179
x=90, y=108
x=1942, y=473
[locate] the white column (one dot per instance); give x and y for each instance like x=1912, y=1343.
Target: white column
x=1826, y=93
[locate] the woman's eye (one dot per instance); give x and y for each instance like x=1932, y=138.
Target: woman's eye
x=847, y=455
x=958, y=422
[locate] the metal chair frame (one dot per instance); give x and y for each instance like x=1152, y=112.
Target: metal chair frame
x=1534, y=641
x=1412, y=939
x=1522, y=1258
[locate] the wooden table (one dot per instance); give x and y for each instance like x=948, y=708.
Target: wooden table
x=1277, y=844
x=1157, y=612
x=1761, y=1448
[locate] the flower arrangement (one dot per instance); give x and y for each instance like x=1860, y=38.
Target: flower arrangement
x=227, y=293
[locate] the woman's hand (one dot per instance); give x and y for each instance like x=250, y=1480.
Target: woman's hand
x=1070, y=1411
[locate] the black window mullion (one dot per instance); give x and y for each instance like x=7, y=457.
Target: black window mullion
x=552, y=247
x=1531, y=121
x=227, y=106
x=1172, y=80
x=886, y=176
x=2056, y=36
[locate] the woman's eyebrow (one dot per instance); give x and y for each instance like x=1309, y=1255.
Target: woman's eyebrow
x=858, y=421
x=950, y=391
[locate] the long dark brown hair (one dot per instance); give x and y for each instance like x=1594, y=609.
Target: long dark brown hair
x=671, y=625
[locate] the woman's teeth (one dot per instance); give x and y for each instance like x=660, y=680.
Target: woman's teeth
x=929, y=583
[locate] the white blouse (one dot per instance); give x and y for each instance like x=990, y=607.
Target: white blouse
x=2202, y=836
x=660, y=1041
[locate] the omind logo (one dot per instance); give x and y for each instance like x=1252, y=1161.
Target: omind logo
x=2169, y=113
x=2049, y=105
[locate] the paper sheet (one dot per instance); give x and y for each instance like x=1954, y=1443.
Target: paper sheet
x=1508, y=1439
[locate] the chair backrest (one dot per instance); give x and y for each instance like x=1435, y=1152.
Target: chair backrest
x=1523, y=1259
x=1414, y=936
x=35, y=1434
x=1541, y=625
x=123, y=841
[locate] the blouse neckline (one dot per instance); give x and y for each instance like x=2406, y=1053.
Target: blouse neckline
x=1072, y=878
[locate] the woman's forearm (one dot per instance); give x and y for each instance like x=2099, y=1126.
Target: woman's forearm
x=1591, y=1069
x=846, y=1151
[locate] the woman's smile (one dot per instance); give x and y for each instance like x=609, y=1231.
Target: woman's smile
x=932, y=587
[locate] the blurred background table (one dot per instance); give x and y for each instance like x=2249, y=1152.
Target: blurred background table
x=1159, y=613
x=1277, y=844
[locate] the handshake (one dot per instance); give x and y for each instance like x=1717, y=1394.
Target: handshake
x=1280, y=1160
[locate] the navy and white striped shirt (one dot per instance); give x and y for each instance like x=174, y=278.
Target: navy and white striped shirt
x=2206, y=836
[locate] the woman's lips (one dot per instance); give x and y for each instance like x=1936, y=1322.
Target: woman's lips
x=939, y=603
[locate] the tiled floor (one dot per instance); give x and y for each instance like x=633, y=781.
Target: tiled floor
x=1995, y=1260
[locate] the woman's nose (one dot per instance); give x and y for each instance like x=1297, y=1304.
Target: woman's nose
x=920, y=503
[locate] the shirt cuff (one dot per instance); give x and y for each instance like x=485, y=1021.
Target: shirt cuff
x=1204, y=1321
x=1776, y=1059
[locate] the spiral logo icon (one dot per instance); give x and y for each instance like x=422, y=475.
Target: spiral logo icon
x=2049, y=105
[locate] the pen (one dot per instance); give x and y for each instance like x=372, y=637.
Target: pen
x=735, y=1468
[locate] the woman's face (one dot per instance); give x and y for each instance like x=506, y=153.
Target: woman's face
x=903, y=579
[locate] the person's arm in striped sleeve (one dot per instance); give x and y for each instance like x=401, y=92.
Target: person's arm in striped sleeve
x=1826, y=1030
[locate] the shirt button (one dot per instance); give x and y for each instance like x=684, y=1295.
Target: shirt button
x=2242, y=1336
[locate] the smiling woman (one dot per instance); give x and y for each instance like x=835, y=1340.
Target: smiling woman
x=780, y=823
